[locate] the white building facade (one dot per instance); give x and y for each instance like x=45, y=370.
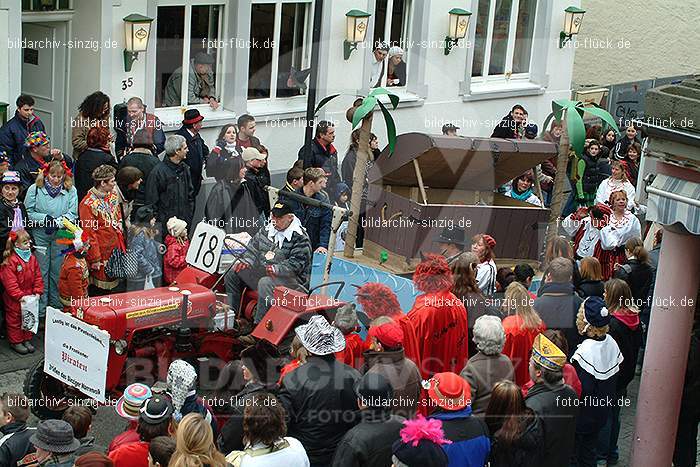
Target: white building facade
x=510, y=55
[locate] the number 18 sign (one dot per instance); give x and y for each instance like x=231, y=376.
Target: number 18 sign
x=205, y=247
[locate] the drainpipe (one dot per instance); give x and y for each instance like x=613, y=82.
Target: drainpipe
x=666, y=355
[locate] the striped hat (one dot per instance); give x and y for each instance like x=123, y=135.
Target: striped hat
x=546, y=354
x=10, y=177
x=130, y=403
x=37, y=138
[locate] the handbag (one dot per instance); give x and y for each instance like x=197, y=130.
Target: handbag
x=122, y=263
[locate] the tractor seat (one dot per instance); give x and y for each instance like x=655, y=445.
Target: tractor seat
x=250, y=295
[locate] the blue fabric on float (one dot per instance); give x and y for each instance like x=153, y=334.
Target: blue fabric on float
x=354, y=273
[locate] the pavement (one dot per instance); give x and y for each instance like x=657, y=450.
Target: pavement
x=107, y=424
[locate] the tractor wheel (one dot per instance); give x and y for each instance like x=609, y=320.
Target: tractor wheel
x=49, y=396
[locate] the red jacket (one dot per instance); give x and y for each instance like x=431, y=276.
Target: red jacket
x=73, y=280
x=130, y=455
x=101, y=218
x=518, y=346
x=440, y=323
x=20, y=279
x=174, y=260
x=352, y=354
x=129, y=436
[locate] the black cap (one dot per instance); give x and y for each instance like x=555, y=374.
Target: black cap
x=449, y=126
x=156, y=410
x=281, y=208
x=144, y=214
x=202, y=58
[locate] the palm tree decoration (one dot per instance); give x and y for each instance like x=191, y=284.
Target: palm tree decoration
x=361, y=113
x=573, y=135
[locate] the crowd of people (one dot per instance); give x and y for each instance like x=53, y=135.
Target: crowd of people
x=505, y=366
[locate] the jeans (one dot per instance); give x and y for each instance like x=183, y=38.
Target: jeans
x=585, y=450
x=570, y=205
x=607, y=438
x=139, y=284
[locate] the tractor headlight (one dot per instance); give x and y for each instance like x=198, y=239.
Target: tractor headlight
x=120, y=346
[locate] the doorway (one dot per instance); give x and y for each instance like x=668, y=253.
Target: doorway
x=44, y=69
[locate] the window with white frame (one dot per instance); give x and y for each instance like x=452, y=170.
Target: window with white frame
x=503, y=40
x=280, y=38
x=392, y=25
x=188, y=53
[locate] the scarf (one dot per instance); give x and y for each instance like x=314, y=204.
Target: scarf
x=52, y=190
x=24, y=254
x=601, y=359
x=18, y=220
x=521, y=196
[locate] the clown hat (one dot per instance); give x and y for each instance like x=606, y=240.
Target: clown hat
x=546, y=354
x=72, y=236
x=130, y=403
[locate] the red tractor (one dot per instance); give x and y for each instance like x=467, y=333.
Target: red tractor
x=188, y=320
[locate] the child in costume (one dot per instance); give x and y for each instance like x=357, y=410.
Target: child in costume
x=299, y=354
x=622, y=225
x=346, y=321
x=21, y=277
x=74, y=277
x=177, y=245
x=143, y=245
x=585, y=226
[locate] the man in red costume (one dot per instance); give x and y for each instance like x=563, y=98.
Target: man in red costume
x=439, y=319
x=379, y=300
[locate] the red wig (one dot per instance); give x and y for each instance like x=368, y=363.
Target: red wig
x=378, y=300
x=433, y=274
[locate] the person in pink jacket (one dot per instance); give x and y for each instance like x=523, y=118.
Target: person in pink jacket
x=177, y=245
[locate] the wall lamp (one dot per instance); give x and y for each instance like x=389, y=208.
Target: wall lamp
x=458, y=26
x=356, y=30
x=137, y=29
x=572, y=23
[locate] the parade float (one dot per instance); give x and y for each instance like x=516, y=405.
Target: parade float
x=435, y=182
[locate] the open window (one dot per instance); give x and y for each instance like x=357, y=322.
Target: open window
x=393, y=26
x=188, y=57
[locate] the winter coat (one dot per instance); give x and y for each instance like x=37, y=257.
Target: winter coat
x=347, y=169
x=231, y=207
x=639, y=276
x=368, y=444
x=41, y=206
x=101, y=212
x=128, y=436
x=145, y=249
x=632, y=170
x=518, y=346
x=170, y=192
x=320, y=387
x=526, y=451
x=89, y=160
x=219, y=155
x=14, y=443
x=19, y=279
x=440, y=323
x=507, y=128
x=174, y=259
x=593, y=173
x=469, y=435
x=558, y=421
x=87, y=444
x=590, y=288
x=325, y=158
x=73, y=280
x=482, y=372
x=196, y=157
x=402, y=374
x=7, y=217
x=558, y=305
x=145, y=162
x=28, y=168
x=257, y=181
x=126, y=131
x=316, y=220
x=626, y=329
x=231, y=436
x=352, y=354
x=195, y=404
x=293, y=259
x=80, y=126
x=14, y=133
